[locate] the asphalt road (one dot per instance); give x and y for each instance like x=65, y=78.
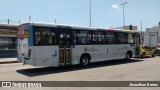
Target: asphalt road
x=136, y=70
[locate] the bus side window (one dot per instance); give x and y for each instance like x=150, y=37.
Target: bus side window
x=101, y=38
x=61, y=40
x=95, y=38
x=79, y=40
x=37, y=38
x=110, y=38
x=84, y=37
x=53, y=39
x=121, y=38
x=44, y=36
x=68, y=38
x=74, y=38
x=130, y=38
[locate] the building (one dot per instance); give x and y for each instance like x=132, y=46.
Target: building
x=130, y=27
x=8, y=37
x=152, y=36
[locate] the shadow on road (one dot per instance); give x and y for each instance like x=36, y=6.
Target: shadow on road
x=31, y=72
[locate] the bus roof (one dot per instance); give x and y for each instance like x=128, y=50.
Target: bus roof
x=77, y=27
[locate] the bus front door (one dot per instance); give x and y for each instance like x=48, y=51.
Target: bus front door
x=137, y=45
x=64, y=48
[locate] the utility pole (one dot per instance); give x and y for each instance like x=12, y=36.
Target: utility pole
x=19, y=22
x=8, y=20
x=141, y=34
x=123, y=4
x=150, y=39
x=30, y=18
x=55, y=21
x=158, y=41
x=90, y=13
x=157, y=38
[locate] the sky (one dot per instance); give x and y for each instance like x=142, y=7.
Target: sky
x=105, y=13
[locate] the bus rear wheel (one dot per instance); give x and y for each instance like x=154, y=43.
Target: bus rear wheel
x=128, y=56
x=84, y=61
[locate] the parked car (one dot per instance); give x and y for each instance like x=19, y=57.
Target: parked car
x=146, y=51
x=157, y=49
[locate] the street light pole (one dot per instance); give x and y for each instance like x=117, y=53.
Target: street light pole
x=123, y=4
x=30, y=18
x=55, y=21
x=90, y=13
x=141, y=34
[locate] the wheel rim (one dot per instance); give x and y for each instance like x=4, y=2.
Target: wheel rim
x=128, y=56
x=85, y=61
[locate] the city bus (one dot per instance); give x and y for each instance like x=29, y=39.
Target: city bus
x=53, y=45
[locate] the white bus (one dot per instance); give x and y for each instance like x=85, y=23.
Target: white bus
x=41, y=44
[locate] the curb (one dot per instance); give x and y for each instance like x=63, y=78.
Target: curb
x=9, y=62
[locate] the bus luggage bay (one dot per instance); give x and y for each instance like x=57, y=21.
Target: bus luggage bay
x=41, y=44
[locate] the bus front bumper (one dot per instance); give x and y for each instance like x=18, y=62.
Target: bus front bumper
x=26, y=61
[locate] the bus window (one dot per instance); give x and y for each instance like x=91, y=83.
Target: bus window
x=101, y=38
x=84, y=37
x=110, y=38
x=74, y=38
x=53, y=37
x=37, y=37
x=23, y=32
x=130, y=38
x=44, y=36
x=121, y=38
x=95, y=38
x=78, y=38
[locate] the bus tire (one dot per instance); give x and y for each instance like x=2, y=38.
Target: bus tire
x=128, y=56
x=84, y=60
